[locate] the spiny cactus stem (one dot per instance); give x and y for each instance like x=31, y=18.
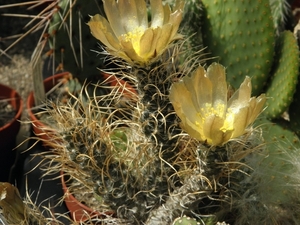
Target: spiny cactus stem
x=109, y=178
x=157, y=121
x=198, y=189
x=194, y=189
x=156, y=117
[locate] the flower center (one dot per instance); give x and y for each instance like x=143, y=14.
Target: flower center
x=208, y=110
x=218, y=110
x=134, y=37
x=228, y=123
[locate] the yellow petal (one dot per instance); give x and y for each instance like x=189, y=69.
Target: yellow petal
x=179, y=5
x=175, y=19
x=146, y=43
x=156, y=36
x=129, y=50
x=167, y=13
x=101, y=30
x=175, y=14
x=240, y=122
x=259, y=104
x=142, y=14
x=200, y=88
x=242, y=96
x=180, y=97
x=157, y=13
x=212, y=130
x=120, y=54
x=128, y=14
x=181, y=101
x=245, y=90
x=113, y=15
x=164, y=39
x=113, y=43
x=193, y=129
x=216, y=74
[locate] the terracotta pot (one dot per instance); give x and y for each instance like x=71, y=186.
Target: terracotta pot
x=9, y=131
x=127, y=90
x=40, y=129
x=78, y=211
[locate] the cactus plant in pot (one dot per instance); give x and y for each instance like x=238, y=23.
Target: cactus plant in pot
x=71, y=51
x=60, y=86
x=40, y=129
x=64, y=55
x=187, y=148
x=143, y=159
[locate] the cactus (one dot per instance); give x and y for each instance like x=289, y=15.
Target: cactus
x=269, y=193
x=231, y=37
x=281, y=11
x=190, y=26
x=100, y=166
x=111, y=167
x=184, y=220
x=129, y=149
x=294, y=112
x=70, y=40
x=285, y=73
x=116, y=172
x=241, y=35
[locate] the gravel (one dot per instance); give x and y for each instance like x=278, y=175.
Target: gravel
x=15, y=69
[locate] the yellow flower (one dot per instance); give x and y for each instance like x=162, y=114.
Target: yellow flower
x=127, y=33
x=201, y=102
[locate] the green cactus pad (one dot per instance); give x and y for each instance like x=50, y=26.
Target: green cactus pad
x=185, y=220
x=285, y=73
x=241, y=34
x=294, y=111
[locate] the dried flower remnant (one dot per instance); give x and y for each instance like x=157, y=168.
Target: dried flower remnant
x=11, y=203
x=201, y=102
